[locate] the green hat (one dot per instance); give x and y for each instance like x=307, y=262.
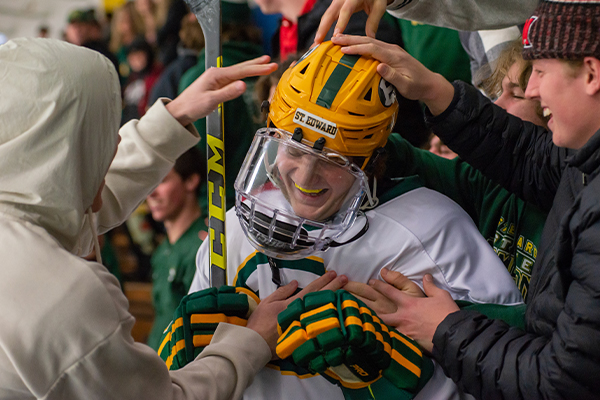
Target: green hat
x=82, y=16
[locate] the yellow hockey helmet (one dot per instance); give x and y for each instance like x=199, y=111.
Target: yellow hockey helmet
x=338, y=97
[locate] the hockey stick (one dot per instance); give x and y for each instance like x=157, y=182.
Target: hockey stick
x=208, y=13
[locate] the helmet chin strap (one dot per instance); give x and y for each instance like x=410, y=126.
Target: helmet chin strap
x=372, y=199
x=358, y=235
x=90, y=220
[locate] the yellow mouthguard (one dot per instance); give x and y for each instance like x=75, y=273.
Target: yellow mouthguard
x=315, y=191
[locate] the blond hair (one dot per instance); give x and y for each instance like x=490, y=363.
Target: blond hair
x=127, y=10
x=492, y=86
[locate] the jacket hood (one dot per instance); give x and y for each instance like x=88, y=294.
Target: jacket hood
x=60, y=109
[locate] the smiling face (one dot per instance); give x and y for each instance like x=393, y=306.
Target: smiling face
x=562, y=94
x=315, y=188
x=513, y=98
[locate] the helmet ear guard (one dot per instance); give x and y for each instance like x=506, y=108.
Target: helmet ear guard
x=371, y=165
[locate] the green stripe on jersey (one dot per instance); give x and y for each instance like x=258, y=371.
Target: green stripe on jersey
x=305, y=264
x=336, y=80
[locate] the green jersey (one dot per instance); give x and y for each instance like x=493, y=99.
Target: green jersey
x=173, y=268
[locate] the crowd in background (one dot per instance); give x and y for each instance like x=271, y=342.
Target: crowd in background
x=456, y=202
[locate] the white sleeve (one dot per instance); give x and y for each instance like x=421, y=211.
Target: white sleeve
x=147, y=152
x=202, y=276
x=228, y=365
x=87, y=352
x=445, y=243
x=465, y=15
x=119, y=368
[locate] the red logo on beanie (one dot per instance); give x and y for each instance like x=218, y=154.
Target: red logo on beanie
x=527, y=30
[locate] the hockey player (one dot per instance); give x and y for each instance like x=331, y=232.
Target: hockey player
x=298, y=202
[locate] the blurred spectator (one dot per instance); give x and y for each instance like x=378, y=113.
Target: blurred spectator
x=151, y=16
x=134, y=262
x=43, y=31
x=126, y=25
x=440, y=149
x=167, y=35
x=484, y=48
x=84, y=29
x=266, y=85
x=300, y=20
x=145, y=233
x=144, y=74
x=268, y=25
x=162, y=20
x=190, y=45
x=507, y=84
x=174, y=202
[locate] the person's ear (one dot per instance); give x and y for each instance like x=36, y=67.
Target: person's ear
x=192, y=182
x=591, y=69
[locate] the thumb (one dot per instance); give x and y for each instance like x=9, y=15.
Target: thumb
x=430, y=289
x=389, y=74
x=283, y=292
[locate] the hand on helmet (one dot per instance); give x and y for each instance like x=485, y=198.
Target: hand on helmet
x=411, y=78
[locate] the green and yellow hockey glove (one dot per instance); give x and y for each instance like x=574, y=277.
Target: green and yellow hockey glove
x=196, y=319
x=338, y=336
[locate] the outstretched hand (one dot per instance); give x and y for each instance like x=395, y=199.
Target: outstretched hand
x=419, y=317
x=264, y=319
x=215, y=86
x=411, y=78
x=342, y=10
x=372, y=296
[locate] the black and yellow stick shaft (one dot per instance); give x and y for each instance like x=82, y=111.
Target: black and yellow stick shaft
x=208, y=13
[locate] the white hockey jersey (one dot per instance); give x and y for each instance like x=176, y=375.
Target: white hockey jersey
x=415, y=231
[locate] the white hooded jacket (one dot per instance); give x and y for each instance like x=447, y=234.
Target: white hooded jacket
x=65, y=329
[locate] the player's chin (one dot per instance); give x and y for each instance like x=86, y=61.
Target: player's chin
x=312, y=212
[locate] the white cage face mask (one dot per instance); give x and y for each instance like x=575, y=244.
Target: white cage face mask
x=292, y=199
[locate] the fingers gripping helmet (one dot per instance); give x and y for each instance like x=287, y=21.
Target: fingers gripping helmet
x=339, y=97
x=302, y=182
